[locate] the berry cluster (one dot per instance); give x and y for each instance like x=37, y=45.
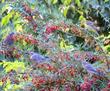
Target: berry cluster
x=48, y=67
x=51, y=29
x=38, y=81
x=28, y=39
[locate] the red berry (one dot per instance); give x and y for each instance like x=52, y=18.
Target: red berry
x=86, y=86
x=17, y=55
x=109, y=85
x=51, y=29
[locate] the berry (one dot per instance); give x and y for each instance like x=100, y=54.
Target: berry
x=51, y=29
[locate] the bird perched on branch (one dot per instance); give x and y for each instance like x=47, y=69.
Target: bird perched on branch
x=38, y=58
x=7, y=46
x=91, y=69
x=9, y=39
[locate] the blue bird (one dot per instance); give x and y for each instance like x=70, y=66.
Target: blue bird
x=91, y=69
x=38, y=58
x=9, y=39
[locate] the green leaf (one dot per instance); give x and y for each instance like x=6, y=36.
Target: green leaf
x=107, y=48
x=82, y=18
x=17, y=66
x=5, y=8
x=24, y=43
x=54, y=1
x=48, y=2
x=78, y=3
x=80, y=12
x=3, y=1
x=66, y=2
x=65, y=11
x=5, y=19
x=106, y=1
x=65, y=46
x=63, y=1
x=1, y=63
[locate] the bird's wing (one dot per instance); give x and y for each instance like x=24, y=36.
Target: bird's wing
x=88, y=67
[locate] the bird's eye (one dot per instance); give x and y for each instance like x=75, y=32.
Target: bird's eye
x=46, y=57
x=90, y=61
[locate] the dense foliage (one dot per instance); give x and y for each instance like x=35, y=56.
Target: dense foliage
x=54, y=45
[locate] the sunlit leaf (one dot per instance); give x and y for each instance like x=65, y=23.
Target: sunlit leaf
x=82, y=18
x=64, y=46
x=3, y=1
x=1, y=83
x=8, y=85
x=78, y=3
x=54, y=1
x=16, y=87
x=106, y=1
x=5, y=19
x=19, y=28
x=1, y=63
x=17, y=66
x=65, y=11
x=66, y=2
x=80, y=12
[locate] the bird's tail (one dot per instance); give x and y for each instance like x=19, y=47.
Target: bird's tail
x=102, y=74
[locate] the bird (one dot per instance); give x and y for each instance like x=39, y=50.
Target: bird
x=91, y=69
x=7, y=43
x=7, y=46
x=9, y=39
x=38, y=58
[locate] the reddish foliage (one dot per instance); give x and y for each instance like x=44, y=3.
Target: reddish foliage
x=29, y=17
x=47, y=67
x=27, y=39
x=86, y=86
x=68, y=88
x=38, y=81
x=50, y=29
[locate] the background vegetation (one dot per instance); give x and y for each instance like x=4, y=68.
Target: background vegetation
x=54, y=45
